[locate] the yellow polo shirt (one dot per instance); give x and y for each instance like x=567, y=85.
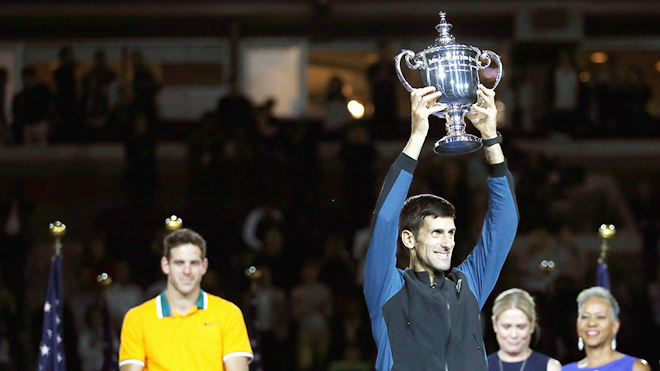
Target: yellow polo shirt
x=154, y=336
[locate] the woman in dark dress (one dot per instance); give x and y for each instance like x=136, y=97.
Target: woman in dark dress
x=514, y=322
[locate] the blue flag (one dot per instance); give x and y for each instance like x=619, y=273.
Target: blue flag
x=51, y=348
x=603, y=279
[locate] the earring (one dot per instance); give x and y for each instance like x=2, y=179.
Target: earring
x=580, y=343
x=613, y=344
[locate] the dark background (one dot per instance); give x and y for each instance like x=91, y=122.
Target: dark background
x=570, y=174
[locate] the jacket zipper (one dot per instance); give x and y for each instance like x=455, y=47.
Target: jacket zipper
x=449, y=328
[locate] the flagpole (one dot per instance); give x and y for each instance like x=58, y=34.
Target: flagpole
x=603, y=277
x=254, y=275
x=57, y=230
x=109, y=356
x=606, y=232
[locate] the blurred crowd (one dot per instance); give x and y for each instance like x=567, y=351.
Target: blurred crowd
x=100, y=106
x=289, y=256
x=605, y=100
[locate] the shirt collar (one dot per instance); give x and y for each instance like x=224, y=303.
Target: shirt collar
x=164, y=309
x=423, y=277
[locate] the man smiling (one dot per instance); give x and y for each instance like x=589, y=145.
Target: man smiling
x=184, y=328
x=427, y=318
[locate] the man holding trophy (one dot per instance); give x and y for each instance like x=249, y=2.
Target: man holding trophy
x=426, y=317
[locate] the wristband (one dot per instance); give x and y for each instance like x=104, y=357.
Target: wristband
x=492, y=141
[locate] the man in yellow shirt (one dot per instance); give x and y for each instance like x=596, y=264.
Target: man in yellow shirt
x=184, y=328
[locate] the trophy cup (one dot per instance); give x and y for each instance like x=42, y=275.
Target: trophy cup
x=452, y=69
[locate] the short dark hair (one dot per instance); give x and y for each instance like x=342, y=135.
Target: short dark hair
x=418, y=207
x=183, y=236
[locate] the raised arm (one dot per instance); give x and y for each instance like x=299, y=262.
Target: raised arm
x=483, y=265
x=380, y=273
x=382, y=279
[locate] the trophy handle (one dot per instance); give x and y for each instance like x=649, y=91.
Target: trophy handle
x=490, y=56
x=397, y=65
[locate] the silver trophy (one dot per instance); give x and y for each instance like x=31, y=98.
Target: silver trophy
x=454, y=70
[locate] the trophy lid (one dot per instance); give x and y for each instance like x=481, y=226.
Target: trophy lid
x=443, y=27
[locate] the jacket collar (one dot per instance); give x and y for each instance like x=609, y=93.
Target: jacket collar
x=423, y=277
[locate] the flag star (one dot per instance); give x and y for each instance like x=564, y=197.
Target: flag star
x=44, y=349
x=47, y=307
x=59, y=339
x=50, y=333
x=57, y=320
x=59, y=357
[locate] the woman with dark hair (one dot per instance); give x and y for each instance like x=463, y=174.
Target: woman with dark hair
x=514, y=323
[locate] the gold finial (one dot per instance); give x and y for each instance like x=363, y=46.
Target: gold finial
x=253, y=272
x=104, y=279
x=547, y=266
x=606, y=232
x=57, y=230
x=173, y=223
x=254, y=275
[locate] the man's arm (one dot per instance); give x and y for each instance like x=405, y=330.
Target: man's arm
x=237, y=352
x=132, y=351
x=381, y=277
x=422, y=104
x=380, y=273
x=483, y=265
x=131, y=367
x=235, y=364
x=484, y=117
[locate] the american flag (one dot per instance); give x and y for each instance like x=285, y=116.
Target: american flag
x=603, y=279
x=51, y=348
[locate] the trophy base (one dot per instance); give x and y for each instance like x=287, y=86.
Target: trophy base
x=457, y=144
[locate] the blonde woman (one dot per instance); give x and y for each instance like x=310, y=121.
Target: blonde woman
x=597, y=326
x=514, y=323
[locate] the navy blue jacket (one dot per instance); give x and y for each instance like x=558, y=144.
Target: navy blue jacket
x=422, y=326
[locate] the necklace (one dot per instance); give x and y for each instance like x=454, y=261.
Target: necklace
x=522, y=367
